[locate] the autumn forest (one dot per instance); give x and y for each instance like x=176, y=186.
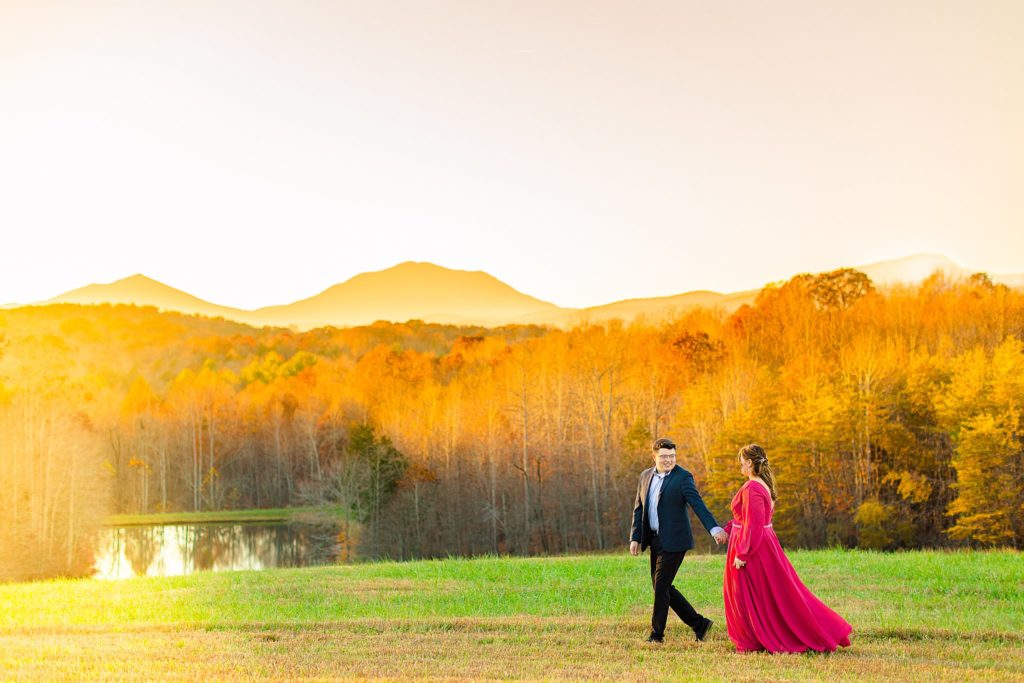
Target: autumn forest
x=892, y=418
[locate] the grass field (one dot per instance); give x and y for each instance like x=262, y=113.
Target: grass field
x=927, y=616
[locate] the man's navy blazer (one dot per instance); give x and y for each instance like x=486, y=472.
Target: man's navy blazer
x=677, y=491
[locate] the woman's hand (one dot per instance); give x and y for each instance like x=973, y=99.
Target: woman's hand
x=738, y=563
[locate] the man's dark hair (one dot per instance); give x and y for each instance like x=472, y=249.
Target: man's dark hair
x=664, y=443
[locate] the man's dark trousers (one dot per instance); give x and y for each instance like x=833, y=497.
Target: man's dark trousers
x=664, y=566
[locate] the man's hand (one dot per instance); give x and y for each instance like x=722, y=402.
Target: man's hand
x=722, y=537
x=634, y=548
x=738, y=563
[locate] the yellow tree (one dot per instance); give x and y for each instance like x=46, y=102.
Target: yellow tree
x=986, y=397
x=203, y=402
x=137, y=427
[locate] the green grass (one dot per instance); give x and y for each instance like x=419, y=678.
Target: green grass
x=223, y=516
x=927, y=616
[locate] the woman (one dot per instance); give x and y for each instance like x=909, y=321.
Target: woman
x=767, y=607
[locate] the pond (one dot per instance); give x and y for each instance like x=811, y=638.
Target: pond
x=178, y=549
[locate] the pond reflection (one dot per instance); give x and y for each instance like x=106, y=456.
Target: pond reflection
x=174, y=550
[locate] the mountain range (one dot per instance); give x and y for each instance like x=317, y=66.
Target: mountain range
x=432, y=293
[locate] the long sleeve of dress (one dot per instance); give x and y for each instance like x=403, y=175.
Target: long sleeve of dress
x=753, y=516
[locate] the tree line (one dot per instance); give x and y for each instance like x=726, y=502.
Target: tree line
x=891, y=417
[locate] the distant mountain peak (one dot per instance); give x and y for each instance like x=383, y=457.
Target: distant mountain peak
x=937, y=260
x=911, y=269
x=138, y=277
x=435, y=293
x=141, y=290
x=409, y=290
x=417, y=264
x=424, y=268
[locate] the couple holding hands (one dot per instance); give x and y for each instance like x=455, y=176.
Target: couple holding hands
x=767, y=607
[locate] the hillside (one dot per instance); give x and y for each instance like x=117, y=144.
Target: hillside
x=435, y=294
x=144, y=291
x=409, y=291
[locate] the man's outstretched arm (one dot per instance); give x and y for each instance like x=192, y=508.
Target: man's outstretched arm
x=706, y=518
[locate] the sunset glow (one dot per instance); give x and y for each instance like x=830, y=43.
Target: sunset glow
x=583, y=153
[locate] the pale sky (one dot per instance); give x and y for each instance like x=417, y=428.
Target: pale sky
x=254, y=153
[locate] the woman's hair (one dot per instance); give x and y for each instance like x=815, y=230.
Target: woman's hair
x=759, y=459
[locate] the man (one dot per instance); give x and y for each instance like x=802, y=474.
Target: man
x=661, y=522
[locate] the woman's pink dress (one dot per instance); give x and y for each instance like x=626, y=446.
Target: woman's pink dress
x=767, y=607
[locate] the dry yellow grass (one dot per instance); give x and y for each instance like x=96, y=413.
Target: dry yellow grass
x=917, y=617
